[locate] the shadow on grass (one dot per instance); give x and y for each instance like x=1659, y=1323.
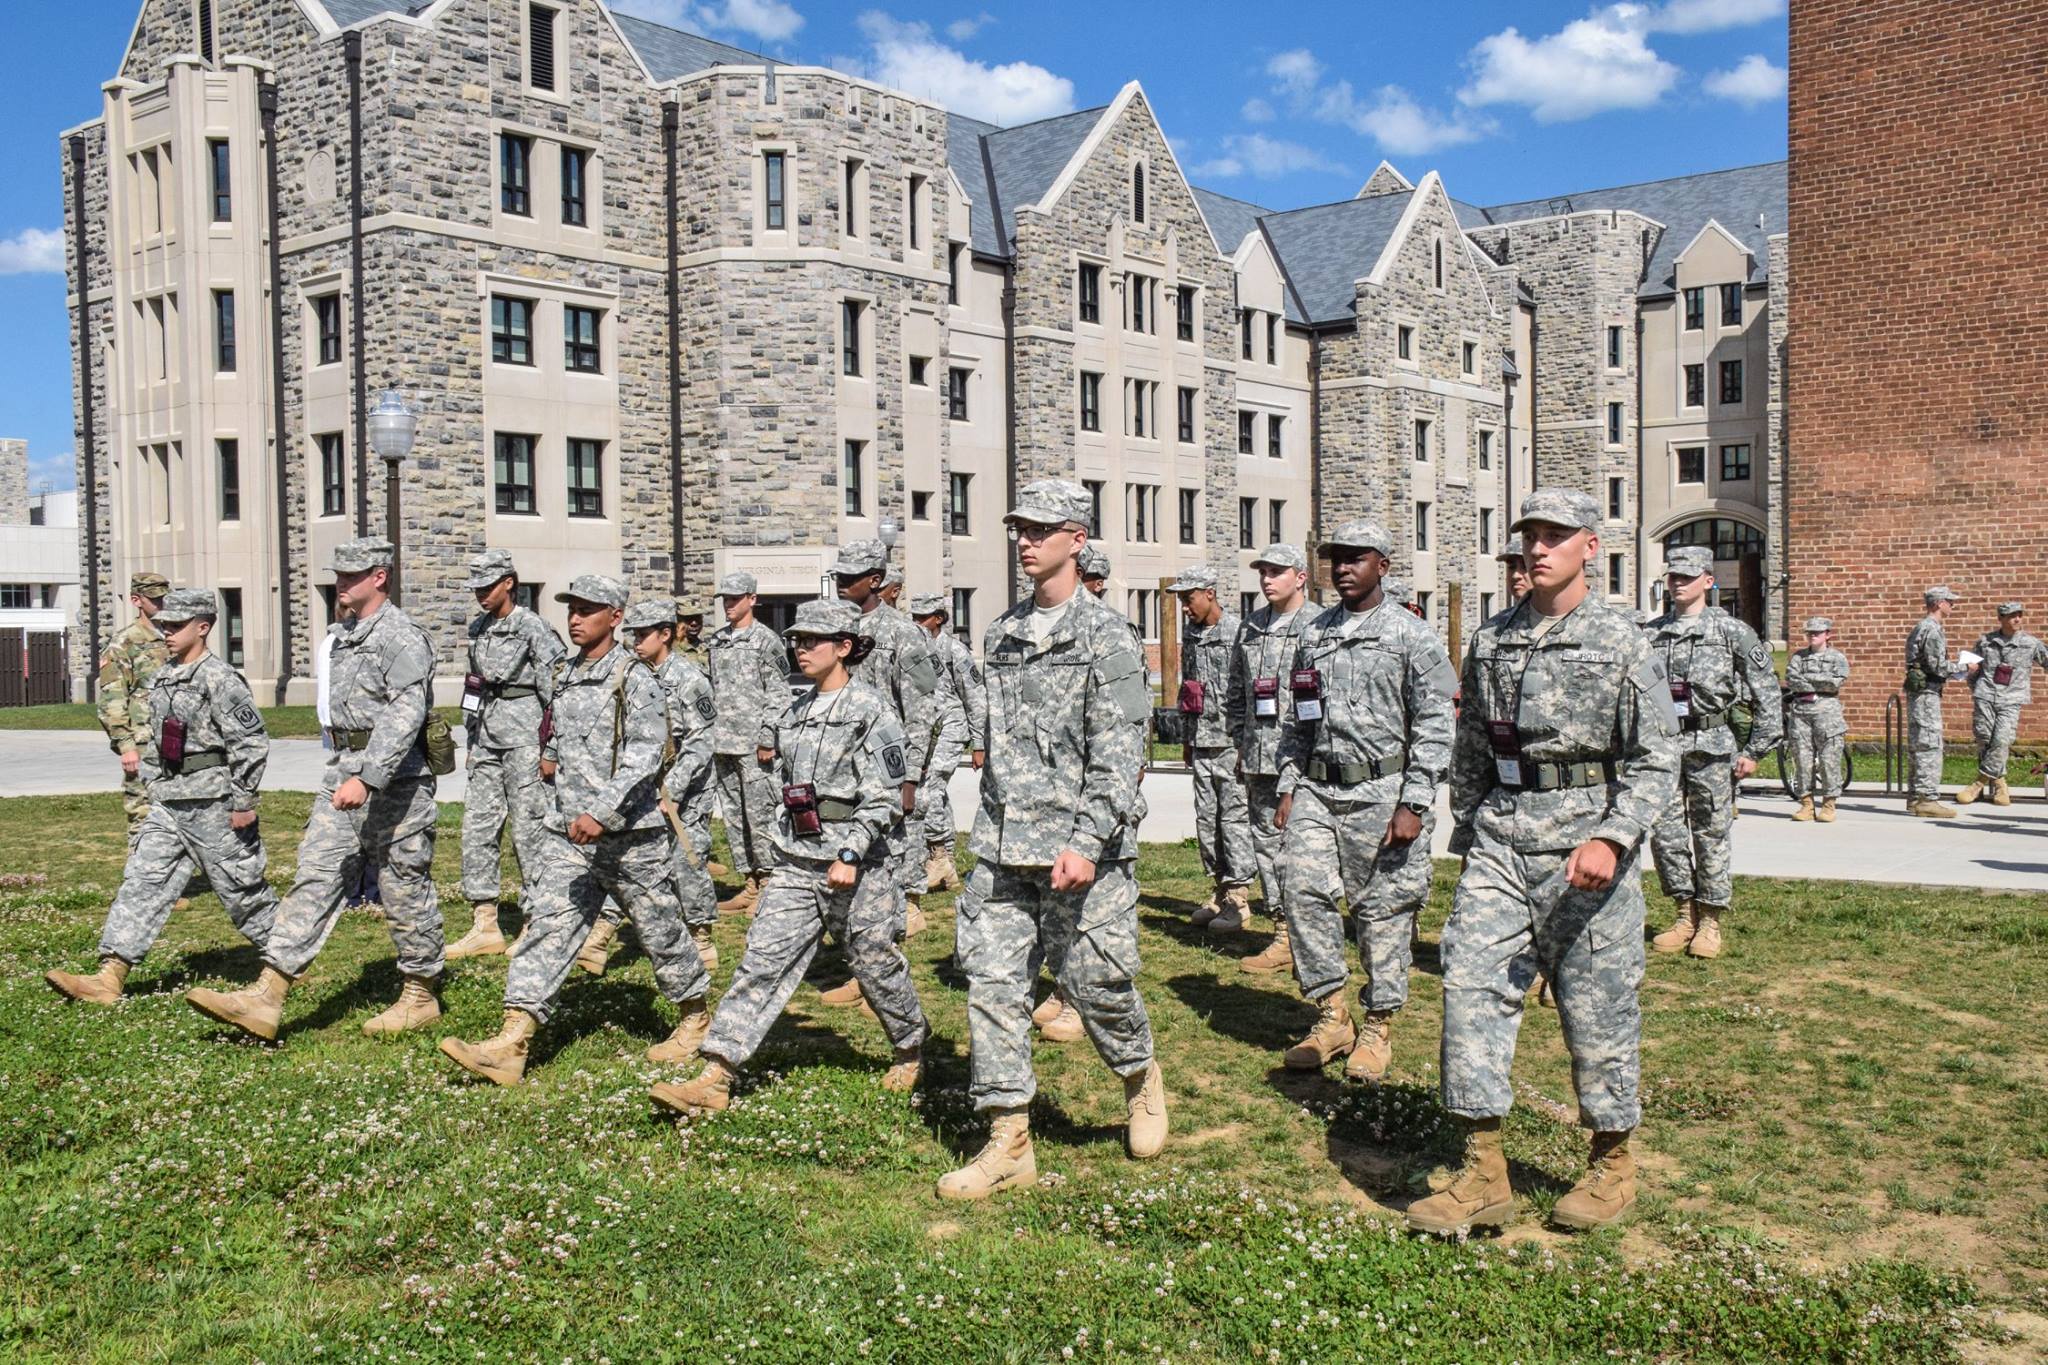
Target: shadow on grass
x=1270, y=1018
x=238, y=963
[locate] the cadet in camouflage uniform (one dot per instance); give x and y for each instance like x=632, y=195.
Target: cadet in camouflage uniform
x=749, y=678
x=839, y=756
x=376, y=804
x=1999, y=687
x=892, y=585
x=1813, y=679
x=1358, y=780
x=203, y=763
x=1928, y=670
x=686, y=792
x=605, y=837
x=1223, y=828
x=1565, y=754
x=1056, y=843
x=1259, y=705
x=963, y=717
x=1516, y=569
x=125, y=670
x=1714, y=662
x=513, y=656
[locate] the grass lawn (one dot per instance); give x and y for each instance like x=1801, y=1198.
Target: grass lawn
x=285, y=722
x=1845, y=1149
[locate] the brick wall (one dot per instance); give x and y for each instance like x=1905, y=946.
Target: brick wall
x=1920, y=446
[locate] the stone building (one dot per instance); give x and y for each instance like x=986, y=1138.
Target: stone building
x=39, y=589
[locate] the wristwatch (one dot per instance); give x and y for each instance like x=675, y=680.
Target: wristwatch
x=849, y=857
x=1419, y=809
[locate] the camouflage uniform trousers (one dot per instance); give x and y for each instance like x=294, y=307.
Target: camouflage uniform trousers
x=747, y=801
x=504, y=787
x=1012, y=921
x=934, y=800
x=694, y=891
x=1923, y=744
x=1514, y=917
x=796, y=910
x=1690, y=840
x=907, y=851
x=176, y=839
x=633, y=867
x=394, y=833
x=1223, y=825
x=134, y=803
x=1262, y=802
x=1816, y=756
x=1334, y=845
x=1995, y=728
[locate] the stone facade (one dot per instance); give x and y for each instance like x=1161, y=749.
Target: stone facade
x=13, y=482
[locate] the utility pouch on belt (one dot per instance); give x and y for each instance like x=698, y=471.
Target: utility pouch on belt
x=170, y=744
x=1191, y=694
x=1681, y=697
x=2002, y=675
x=1307, y=686
x=800, y=799
x=472, y=692
x=1504, y=737
x=1265, y=697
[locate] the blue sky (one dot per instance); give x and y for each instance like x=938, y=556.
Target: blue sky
x=1295, y=106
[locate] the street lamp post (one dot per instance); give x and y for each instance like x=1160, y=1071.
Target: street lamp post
x=392, y=426
x=891, y=533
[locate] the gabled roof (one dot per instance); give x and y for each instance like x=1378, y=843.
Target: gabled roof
x=1230, y=220
x=1326, y=249
x=347, y=12
x=669, y=53
x=1027, y=160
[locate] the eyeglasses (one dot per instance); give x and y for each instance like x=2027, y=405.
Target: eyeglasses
x=1035, y=533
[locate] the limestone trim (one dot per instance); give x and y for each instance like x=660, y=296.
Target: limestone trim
x=1418, y=383
x=1748, y=513
x=1714, y=226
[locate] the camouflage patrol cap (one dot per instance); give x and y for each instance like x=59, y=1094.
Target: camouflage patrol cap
x=689, y=609
x=1933, y=595
x=651, y=611
x=1358, y=535
x=490, y=566
x=151, y=585
x=892, y=576
x=1688, y=561
x=2004, y=609
x=737, y=584
x=1512, y=550
x=1819, y=625
x=1094, y=562
x=186, y=603
x=1052, y=502
x=1281, y=556
x=859, y=558
x=601, y=589
x=362, y=554
x=930, y=604
x=1559, y=507
x=1397, y=591
x=825, y=618
x=1194, y=578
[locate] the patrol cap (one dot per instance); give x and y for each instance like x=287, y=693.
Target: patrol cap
x=1688, y=561
x=825, y=619
x=2004, y=609
x=892, y=576
x=1819, y=625
x=1397, y=591
x=1052, y=502
x=600, y=588
x=151, y=585
x=1281, y=556
x=186, y=603
x=1559, y=507
x=1362, y=534
x=1193, y=577
x=1094, y=561
x=689, y=609
x=1512, y=550
x=859, y=558
x=651, y=611
x=362, y=554
x=490, y=566
x=930, y=604
x=1933, y=595
x=737, y=584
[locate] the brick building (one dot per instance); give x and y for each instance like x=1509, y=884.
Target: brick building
x=1914, y=359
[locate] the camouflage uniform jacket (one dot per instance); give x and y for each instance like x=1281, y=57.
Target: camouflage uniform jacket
x=750, y=677
x=1720, y=659
x=1592, y=690
x=125, y=670
x=2021, y=653
x=1927, y=665
x=1387, y=688
x=962, y=697
x=380, y=672
x=220, y=720
x=692, y=716
x=900, y=667
x=1820, y=672
x=616, y=784
x=1265, y=648
x=1205, y=657
x=517, y=651
x=848, y=746
x=1065, y=738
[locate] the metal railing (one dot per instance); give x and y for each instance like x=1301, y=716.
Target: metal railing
x=1895, y=758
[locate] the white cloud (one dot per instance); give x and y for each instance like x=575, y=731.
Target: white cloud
x=904, y=55
x=1751, y=81
x=771, y=21
x=1264, y=158
x=1256, y=110
x=32, y=251
x=1391, y=117
x=961, y=29
x=1708, y=16
x=1589, y=66
x=1296, y=70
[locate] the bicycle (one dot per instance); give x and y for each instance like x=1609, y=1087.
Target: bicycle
x=1785, y=765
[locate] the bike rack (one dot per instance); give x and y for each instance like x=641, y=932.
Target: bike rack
x=1894, y=745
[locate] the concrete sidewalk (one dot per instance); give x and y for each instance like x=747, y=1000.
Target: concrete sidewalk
x=1873, y=841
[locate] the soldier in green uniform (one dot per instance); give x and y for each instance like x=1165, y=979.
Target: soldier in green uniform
x=125, y=670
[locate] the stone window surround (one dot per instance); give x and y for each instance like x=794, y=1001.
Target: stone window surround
x=1413, y=327
x=1614, y=347
x=1478, y=345
x=560, y=93
x=546, y=342
x=542, y=224
x=792, y=177
x=1087, y=266
x=332, y=284
x=855, y=181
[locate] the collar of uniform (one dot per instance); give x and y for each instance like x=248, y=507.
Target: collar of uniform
x=1521, y=625
x=606, y=663
x=1273, y=622
x=1016, y=624
x=175, y=672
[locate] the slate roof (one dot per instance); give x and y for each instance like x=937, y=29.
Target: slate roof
x=1026, y=160
x=1326, y=249
x=1230, y=220
x=670, y=53
x=347, y=12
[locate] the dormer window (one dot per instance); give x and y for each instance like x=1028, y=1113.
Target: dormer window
x=1138, y=193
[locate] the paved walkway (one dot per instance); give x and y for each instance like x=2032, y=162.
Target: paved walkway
x=1873, y=841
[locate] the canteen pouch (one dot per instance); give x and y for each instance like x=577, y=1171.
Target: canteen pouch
x=439, y=742
x=170, y=744
x=1191, y=693
x=1504, y=737
x=1681, y=697
x=800, y=799
x=1307, y=686
x=1265, y=697
x=472, y=693
x=2002, y=675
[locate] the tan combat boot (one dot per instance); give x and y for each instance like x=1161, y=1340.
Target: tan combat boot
x=2001, y=795
x=1706, y=942
x=904, y=1070
x=845, y=993
x=596, y=953
x=1331, y=1037
x=1826, y=813
x=1805, y=812
x=742, y=901
x=1681, y=931
x=500, y=1060
x=1373, y=1053
x=1478, y=1195
x=1208, y=909
x=256, y=1010
x=1276, y=956
x=714, y=868
x=1065, y=1026
x=706, y=946
x=1607, y=1189
x=103, y=987
x=1048, y=1008
x=417, y=1006
x=1233, y=910
x=484, y=938
x=940, y=872
x=1145, y=1113
x=710, y=1088
x=682, y=1044
x=1968, y=795
x=1007, y=1162
x=1927, y=808
x=1539, y=992
x=914, y=922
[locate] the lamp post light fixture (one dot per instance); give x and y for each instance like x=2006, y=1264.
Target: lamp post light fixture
x=392, y=426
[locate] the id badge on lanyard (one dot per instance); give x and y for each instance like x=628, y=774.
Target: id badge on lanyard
x=1265, y=698
x=1681, y=697
x=1307, y=686
x=472, y=693
x=1504, y=737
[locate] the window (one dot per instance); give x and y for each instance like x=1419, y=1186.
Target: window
x=957, y=486
x=223, y=190
x=1272, y=338
x=1422, y=605
x=1614, y=578
x=1094, y=487
x=1274, y=446
x=579, y=340
x=206, y=30
x=327, y=326
x=774, y=192
x=1485, y=449
x=1144, y=512
x=1437, y=263
x=333, y=474
x=1614, y=420
x=1188, y=500
x=1184, y=313
x=327, y=601
x=1141, y=402
x=913, y=231
x=1695, y=386
x=1185, y=406
x=956, y=394
x=849, y=202
x=1421, y=526
x=1617, y=499
x=1247, y=603
x=231, y=626
x=228, y=460
x=850, y=480
x=1468, y=359
x=918, y=365
x=1247, y=515
x=1244, y=332
x=1091, y=401
x=953, y=253
x=1144, y=612
x=511, y=330
x=1613, y=348
x=920, y=506
x=963, y=614
x=515, y=174
x=1731, y=381
x=1246, y=441
x=1138, y=193
x=1486, y=606
x=540, y=47
x=1695, y=309
x=1734, y=463
x=1692, y=464
x=849, y=337
x=586, y=477
x=224, y=330
x=1088, y=290
x=1138, y=290
x=1485, y=530
x=1276, y=512
x=512, y=472
x=526, y=595
x=575, y=200
x=1421, y=440
x=16, y=596
x=1404, y=342
x=1731, y=305
x=1730, y=540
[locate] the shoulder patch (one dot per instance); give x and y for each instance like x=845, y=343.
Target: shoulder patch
x=892, y=760
x=1759, y=657
x=246, y=717
x=705, y=707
